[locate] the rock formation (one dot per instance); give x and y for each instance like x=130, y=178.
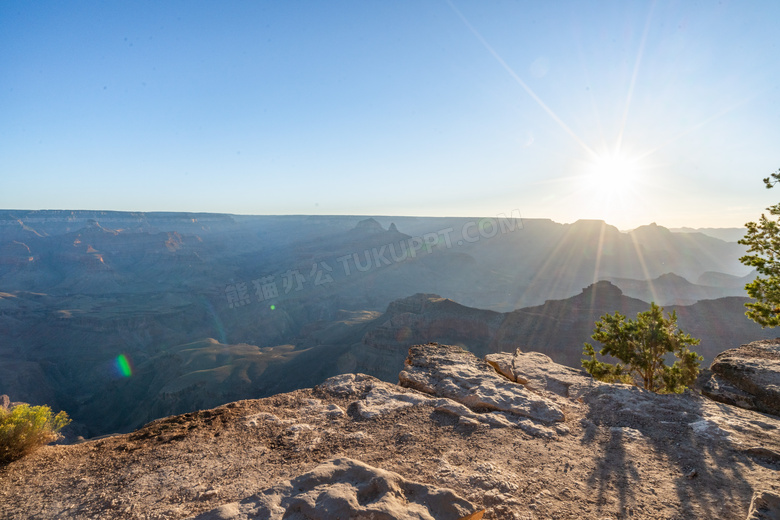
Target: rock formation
x=764, y=506
x=453, y=373
x=540, y=374
x=346, y=488
x=516, y=435
x=369, y=225
x=748, y=376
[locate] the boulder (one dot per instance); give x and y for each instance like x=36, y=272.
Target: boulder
x=765, y=454
x=748, y=377
x=347, y=488
x=453, y=373
x=721, y=390
x=537, y=372
x=5, y=402
x=348, y=384
x=377, y=398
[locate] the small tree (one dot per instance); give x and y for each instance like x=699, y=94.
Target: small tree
x=25, y=428
x=642, y=345
x=763, y=241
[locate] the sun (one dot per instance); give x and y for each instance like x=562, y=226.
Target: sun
x=612, y=173
x=610, y=186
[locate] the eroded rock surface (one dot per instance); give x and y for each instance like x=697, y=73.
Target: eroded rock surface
x=764, y=506
x=621, y=452
x=538, y=372
x=454, y=373
x=378, y=398
x=748, y=377
x=346, y=488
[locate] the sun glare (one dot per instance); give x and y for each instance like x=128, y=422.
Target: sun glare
x=614, y=173
x=608, y=187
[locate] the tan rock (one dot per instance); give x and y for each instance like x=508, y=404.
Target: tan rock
x=540, y=373
x=454, y=373
x=754, y=371
x=346, y=488
x=764, y=506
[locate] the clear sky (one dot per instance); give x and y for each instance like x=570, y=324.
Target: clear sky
x=632, y=112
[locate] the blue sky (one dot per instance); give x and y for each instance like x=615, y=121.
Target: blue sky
x=632, y=112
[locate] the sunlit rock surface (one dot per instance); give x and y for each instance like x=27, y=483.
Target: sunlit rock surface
x=748, y=376
x=538, y=372
x=619, y=452
x=452, y=372
x=346, y=488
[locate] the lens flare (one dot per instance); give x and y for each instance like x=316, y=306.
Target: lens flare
x=123, y=365
x=403, y=334
x=216, y=322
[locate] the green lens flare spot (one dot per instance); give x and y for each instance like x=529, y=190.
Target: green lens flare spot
x=273, y=307
x=123, y=364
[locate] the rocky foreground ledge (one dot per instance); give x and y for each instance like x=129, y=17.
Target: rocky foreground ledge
x=748, y=376
x=514, y=435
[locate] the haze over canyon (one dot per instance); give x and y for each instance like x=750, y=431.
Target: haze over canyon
x=120, y=318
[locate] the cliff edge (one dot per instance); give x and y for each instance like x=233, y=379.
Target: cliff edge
x=514, y=435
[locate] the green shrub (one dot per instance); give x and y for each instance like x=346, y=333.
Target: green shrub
x=641, y=345
x=26, y=428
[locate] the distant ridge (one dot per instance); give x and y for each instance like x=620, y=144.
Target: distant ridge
x=32, y=215
x=369, y=225
x=726, y=234
x=673, y=289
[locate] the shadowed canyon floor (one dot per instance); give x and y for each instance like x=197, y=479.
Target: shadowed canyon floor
x=558, y=445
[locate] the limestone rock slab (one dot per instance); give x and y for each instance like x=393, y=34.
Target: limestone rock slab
x=377, y=398
x=540, y=373
x=748, y=376
x=346, y=488
x=453, y=373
